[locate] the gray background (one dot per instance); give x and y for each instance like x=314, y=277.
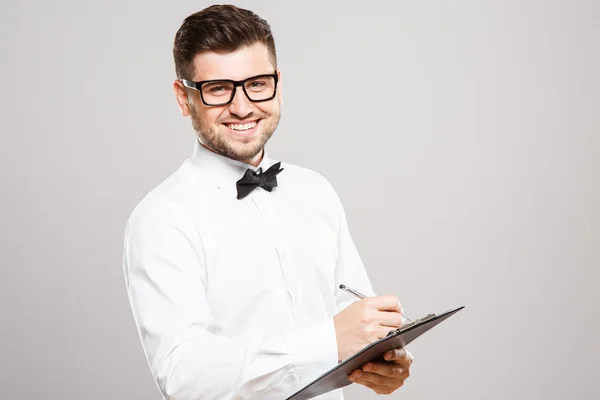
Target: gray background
x=474, y=179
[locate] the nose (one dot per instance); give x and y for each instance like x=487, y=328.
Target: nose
x=240, y=106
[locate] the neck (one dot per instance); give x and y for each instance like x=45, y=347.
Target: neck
x=255, y=161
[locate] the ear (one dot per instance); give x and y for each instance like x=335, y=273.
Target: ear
x=279, y=88
x=181, y=97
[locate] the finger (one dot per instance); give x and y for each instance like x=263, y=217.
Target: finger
x=391, y=370
x=400, y=356
x=391, y=319
x=354, y=375
x=373, y=378
x=384, y=303
x=378, y=388
x=382, y=331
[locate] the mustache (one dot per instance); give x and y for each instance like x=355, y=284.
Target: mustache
x=234, y=118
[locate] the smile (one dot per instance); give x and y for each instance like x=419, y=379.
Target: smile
x=245, y=129
x=242, y=127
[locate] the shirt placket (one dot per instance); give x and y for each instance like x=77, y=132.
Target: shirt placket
x=279, y=238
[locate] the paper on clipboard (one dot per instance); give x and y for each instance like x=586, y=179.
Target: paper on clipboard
x=337, y=377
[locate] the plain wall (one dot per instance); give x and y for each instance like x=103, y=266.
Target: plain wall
x=461, y=136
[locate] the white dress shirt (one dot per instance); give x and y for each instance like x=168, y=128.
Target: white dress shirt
x=234, y=299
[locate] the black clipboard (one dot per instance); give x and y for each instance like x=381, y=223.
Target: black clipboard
x=337, y=377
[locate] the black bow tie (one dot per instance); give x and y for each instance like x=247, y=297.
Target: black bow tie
x=251, y=180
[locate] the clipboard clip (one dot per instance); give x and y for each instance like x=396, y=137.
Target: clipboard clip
x=410, y=324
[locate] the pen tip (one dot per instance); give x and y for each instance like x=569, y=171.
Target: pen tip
x=342, y=287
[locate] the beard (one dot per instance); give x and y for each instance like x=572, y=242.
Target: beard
x=217, y=141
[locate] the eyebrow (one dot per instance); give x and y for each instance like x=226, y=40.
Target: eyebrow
x=237, y=80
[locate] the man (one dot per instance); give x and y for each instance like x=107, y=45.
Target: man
x=233, y=263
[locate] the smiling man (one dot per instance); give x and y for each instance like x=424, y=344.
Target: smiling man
x=236, y=127
x=233, y=263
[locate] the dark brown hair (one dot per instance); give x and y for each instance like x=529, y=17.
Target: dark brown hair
x=222, y=29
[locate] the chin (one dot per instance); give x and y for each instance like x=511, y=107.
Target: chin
x=247, y=153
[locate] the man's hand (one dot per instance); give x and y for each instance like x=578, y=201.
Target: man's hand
x=365, y=321
x=385, y=377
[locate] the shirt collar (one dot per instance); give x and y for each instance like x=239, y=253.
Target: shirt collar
x=222, y=171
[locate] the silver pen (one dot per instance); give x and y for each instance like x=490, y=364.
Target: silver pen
x=362, y=296
x=352, y=291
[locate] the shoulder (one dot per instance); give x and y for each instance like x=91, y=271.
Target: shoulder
x=313, y=190
x=166, y=204
x=309, y=179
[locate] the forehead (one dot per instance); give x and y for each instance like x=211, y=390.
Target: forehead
x=242, y=63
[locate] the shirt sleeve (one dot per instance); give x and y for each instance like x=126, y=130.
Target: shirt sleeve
x=349, y=270
x=165, y=279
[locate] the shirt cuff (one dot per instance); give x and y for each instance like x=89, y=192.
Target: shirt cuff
x=314, y=349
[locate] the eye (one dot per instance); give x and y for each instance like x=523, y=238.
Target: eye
x=258, y=85
x=216, y=89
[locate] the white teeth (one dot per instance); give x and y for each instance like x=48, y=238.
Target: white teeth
x=242, y=127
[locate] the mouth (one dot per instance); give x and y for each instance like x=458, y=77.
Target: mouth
x=243, y=129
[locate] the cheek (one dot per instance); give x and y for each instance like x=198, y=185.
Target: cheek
x=271, y=109
x=212, y=116
x=208, y=116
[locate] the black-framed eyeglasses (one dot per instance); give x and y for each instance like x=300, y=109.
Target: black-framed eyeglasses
x=219, y=92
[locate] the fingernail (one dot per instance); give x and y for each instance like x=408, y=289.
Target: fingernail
x=358, y=374
x=388, y=356
x=367, y=367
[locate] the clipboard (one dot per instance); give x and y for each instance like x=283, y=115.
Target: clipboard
x=337, y=377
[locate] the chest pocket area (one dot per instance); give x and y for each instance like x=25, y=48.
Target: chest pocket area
x=317, y=244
